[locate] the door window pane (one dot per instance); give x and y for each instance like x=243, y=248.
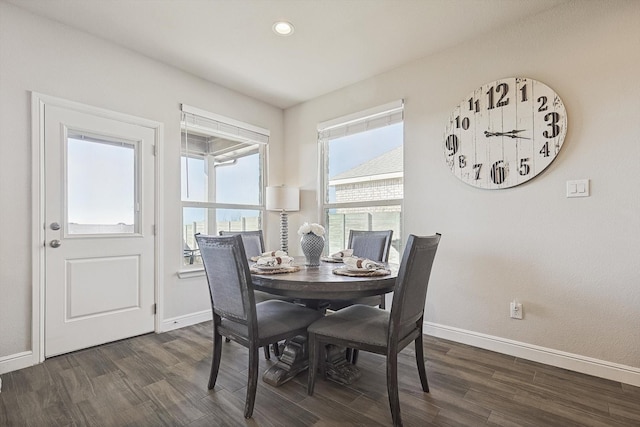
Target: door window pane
x=101, y=185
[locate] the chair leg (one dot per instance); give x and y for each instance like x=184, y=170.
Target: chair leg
x=267, y=355
x=252, y=382
x=392, y=388
x=420, y=361
x=215, y=363
x=276, y=349
x=383, y=301
x=321, y=351
x=354, y=356
x=312, y=344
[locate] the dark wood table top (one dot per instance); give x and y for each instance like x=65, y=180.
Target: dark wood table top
x=321, y=283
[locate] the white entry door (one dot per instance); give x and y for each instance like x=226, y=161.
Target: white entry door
x=99, y=229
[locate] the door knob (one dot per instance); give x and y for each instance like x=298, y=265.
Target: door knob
x=55, y=226
x=55, y=243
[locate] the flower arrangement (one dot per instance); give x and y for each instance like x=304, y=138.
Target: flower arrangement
x=314, y=228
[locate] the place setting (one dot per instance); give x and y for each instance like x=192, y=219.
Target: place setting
x=358, y=267
x=338, y=257
x=273, y=262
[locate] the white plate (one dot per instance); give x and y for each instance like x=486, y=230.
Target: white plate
x=270, y=267
x=360, y=270
x=330, y=259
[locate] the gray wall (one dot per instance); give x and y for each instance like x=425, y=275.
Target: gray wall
x=573, y=263
x=46, y=57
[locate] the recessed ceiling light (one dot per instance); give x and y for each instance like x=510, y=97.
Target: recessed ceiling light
x=283, y=28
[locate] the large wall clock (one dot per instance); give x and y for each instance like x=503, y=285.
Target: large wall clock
x=505, y=133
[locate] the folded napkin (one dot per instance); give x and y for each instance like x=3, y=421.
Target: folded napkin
x=274, y=253
x=345, y=253
x=362, y=263
x=274, y=261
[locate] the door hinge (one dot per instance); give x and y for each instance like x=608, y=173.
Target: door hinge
x=153, y=150
x=153, y=229
x=154, y=308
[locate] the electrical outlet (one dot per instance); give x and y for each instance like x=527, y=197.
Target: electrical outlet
x=516, y=310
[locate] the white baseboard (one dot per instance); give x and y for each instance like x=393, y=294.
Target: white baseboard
x=187, y=320
x=13, y=362
x=574, y=362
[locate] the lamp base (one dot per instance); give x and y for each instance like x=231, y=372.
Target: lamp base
x=284, y=231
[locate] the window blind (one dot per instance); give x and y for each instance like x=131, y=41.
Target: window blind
x=202, y=122
x=373, y=118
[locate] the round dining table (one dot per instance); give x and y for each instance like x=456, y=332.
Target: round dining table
x=316, y=287
x=321, y=283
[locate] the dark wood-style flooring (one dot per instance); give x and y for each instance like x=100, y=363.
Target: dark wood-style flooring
x=161, y=379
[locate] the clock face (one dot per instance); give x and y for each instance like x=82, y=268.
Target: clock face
x=505, y=133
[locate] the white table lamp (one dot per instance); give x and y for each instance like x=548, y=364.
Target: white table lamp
x=283, y=199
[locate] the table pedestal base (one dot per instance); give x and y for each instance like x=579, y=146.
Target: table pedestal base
x=339, y=369
x=295, y=359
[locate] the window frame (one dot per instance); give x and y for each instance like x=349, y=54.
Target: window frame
x=355, y=119
x=233, y=130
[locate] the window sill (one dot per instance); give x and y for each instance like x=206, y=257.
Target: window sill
x=190, y=273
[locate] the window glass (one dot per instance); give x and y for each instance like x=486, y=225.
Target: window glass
x=221, y=180
x=211, y=221
x=231, y=176
x=101, y=186
x=363, y=183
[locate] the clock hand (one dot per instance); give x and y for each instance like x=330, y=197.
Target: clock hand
x=515, y=136
x=510, y=134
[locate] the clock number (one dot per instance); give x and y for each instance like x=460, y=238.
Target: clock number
x=543, y=104
x=452, y=144
x=462, y=161
x=501, y=88
x=524, y=167
x=490, y=93
x=545, y=150
x=554, y=118
x=523, y=94
x=503, y=101
x=464, y=123
x=477, y=168
x=498, y=172
x=474, y=105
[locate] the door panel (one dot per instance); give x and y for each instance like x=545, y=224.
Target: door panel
x=99, y=247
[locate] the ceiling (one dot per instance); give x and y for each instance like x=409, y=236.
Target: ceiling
x=335, y=43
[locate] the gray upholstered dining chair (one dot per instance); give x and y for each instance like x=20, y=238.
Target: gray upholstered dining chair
x=373, y=245
x=370, y=329
x=253, y=242
x=235, y=313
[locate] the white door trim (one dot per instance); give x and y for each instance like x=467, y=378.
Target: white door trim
x=38, y=102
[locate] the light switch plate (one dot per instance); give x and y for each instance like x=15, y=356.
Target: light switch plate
x=578, y=188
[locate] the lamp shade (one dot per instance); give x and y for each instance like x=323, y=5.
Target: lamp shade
x=283, y=199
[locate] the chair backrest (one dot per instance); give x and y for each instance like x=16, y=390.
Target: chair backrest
x=373, y=245
x=252, y=240
x=227, y=270
x=411, y=285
